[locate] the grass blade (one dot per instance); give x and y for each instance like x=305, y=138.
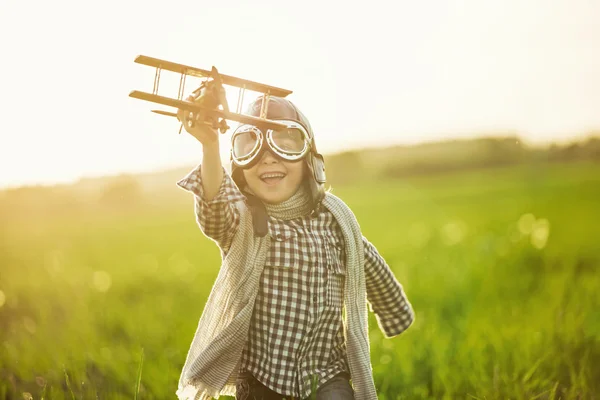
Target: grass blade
x=44, y=391
x=532, y=370
x=139, y=375
x=553, y=392
x=69, y=383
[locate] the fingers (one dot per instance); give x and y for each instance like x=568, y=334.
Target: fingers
x=195, y=124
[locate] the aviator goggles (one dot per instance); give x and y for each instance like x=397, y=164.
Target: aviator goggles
x=248, y=142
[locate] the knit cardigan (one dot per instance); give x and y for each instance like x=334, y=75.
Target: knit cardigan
x=213, y=360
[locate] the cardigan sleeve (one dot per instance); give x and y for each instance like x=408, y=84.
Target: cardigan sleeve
x=385, y=294
x=218, y=218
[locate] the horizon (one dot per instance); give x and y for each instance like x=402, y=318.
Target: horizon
x=397, y=74
x=374, y=147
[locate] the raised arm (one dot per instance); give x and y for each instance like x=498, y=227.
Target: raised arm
x=214, y=191
x=212, y=171
x=388, y=301
x=218, y=218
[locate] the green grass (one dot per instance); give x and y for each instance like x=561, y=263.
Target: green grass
x=105, y=305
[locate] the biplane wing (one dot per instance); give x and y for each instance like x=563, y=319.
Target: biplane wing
x=202, y=73
x=188, y=105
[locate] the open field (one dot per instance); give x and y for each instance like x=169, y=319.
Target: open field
x=502, y=266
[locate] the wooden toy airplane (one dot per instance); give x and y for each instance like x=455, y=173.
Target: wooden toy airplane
x=210, y=99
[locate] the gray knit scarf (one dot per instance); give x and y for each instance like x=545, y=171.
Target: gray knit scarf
x=213, y=360
x=296, y=206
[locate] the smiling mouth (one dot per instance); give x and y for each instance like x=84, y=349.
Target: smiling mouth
x=271, y=178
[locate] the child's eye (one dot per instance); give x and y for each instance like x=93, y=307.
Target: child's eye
x=288, y=145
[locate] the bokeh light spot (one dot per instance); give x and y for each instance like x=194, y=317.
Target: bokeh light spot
x=101, y=281
x=30, y=325
x=180, y=265
x=385, y=359
x=526, y=223
x=453, y=232
x=540, y=233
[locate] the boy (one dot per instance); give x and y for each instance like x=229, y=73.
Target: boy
x=287, y=316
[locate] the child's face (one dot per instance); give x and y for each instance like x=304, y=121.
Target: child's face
x=286, y=178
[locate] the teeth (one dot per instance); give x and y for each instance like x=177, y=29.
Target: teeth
x=274, y=175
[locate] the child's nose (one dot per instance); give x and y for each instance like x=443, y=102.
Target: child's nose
x=268, y=157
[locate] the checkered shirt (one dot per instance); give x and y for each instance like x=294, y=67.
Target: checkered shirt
x=296, y=334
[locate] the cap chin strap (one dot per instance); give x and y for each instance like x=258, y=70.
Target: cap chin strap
x=316, y=166
x=260, y=218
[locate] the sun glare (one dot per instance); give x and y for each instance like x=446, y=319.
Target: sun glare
x=453, y=71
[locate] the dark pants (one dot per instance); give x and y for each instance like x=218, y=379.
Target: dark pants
x=337, y=388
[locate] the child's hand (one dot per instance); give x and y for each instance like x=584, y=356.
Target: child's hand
x=196, y=126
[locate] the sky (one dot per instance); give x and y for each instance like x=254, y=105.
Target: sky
x=373, y=74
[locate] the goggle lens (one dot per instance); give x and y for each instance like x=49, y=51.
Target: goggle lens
x=290, y=143
x=244, y=143
x=290, y=140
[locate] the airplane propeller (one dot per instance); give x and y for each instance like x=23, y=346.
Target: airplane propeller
x=222, y=96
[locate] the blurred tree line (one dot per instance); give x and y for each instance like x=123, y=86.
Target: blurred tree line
x=452, y=155
x=101, y=197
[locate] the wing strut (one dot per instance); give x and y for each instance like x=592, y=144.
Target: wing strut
x=156, y=80
x=181, y=86
x=240, y=103
x=264, y=107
